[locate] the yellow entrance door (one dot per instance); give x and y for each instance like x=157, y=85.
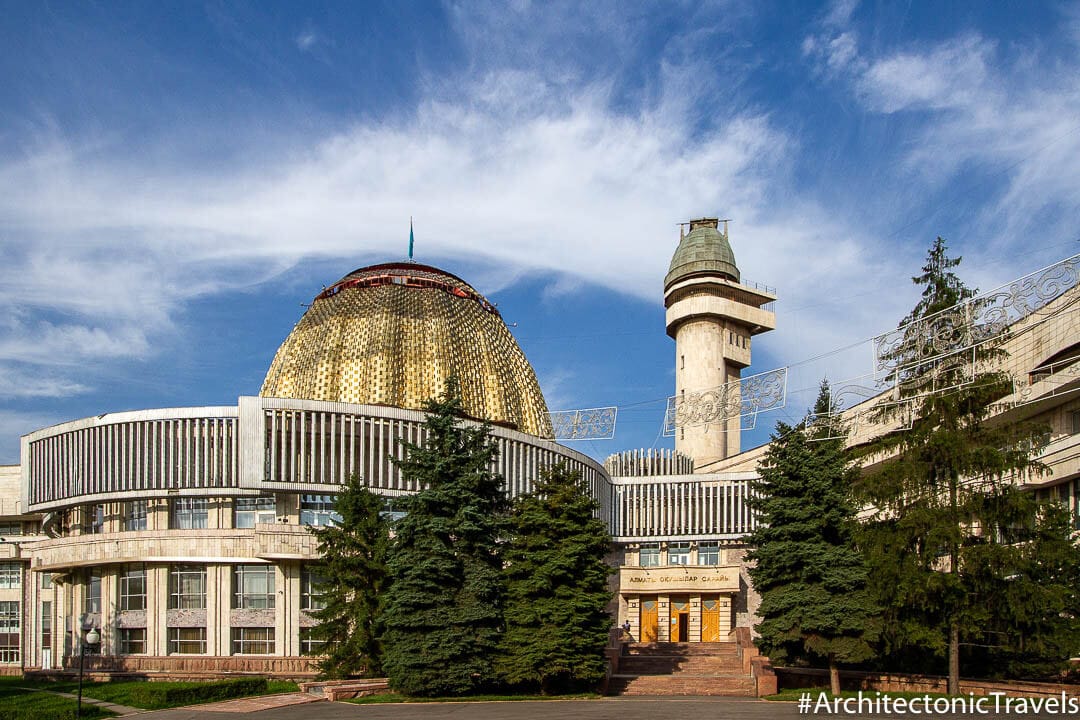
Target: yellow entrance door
x=710, y=620
x=680, y=621
x=649, y=621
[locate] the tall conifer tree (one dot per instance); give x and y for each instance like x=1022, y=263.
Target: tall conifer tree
x=557, y=593
x=443, y=612
x=815, y=606
x=944, y=491
x=353, y=568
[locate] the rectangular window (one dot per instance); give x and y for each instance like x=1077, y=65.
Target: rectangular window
x=1074, y=422
x=10, y=576
x=247, y=511
x=253, y=587
x=46, y=581
x=649, y=555
x=46, y=624
x=9, y=631
x=1076, y=504
x=253, y=641
x=187, y=587
x=708, y=553
x=187, y=641
x=132, y=641
x=678, y=553
x=188, y=514
x=135, y=515
x=133, y=587
x=92, y=594
x=310, y=643
x=10, y=528
x=318, y=510
x=93, y=519
x=311, y=589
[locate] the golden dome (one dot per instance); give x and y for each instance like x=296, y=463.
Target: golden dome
x=392, y=334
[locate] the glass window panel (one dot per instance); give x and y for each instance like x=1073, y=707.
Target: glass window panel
x=708, y=553
x=187, y=587
x=133, y=588
x=189, y=514
x=92, y=594
x=248, y=511
x=253, y=641
x=132, y=641
x=679, y=553
x=318, y=510
x=649, y=555
x=10, y=576
x=187, y=641
x=311, y=589
x=135, y=515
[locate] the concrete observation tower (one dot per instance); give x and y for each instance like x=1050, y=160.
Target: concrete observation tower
x=712, y=315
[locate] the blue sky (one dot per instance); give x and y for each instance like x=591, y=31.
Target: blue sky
x=176, y=179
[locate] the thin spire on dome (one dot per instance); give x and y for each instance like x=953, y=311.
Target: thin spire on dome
x=411, y=238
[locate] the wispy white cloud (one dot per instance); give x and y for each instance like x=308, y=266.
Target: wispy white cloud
x=307, y=39
x=16, y=383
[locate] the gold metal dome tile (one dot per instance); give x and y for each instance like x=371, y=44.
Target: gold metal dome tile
x=392, y=334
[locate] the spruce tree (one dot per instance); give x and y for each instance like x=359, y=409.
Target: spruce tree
x=443, y=613
x=556, y=587
x=940, y=491
x=353, y=567
x=815, y=606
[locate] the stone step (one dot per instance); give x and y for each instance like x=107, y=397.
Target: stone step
x=643, y=665
x=683, y=649
x=727, y=685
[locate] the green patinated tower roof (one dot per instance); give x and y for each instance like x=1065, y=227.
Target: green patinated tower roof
x=703, y=251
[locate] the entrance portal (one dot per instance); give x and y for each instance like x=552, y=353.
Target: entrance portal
x=680, y=621
x=710, y=620
x=650, y=624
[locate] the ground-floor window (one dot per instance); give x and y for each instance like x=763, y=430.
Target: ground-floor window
x=132, y=641
x=309, y=643
x=253, y=641
x=46, y=624
x=187, y=641
x=9, y=631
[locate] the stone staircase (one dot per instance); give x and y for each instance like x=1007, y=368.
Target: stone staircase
x=682, y=669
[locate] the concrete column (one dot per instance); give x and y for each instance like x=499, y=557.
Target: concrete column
x=287, y=615
x=218, y=606
x=633, y=614
x=157, y=602
x=109, y=595
x=663, y=611
x=726, y=617
x=694, y=634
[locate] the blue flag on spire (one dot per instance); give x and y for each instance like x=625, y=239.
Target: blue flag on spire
x=410, y=238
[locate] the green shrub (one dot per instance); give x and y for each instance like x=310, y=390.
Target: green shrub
x=153, y=696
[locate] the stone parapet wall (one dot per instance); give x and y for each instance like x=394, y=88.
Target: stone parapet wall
x=899, y=682
x=202, y=666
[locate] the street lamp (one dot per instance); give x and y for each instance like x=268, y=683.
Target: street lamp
x=92, y=638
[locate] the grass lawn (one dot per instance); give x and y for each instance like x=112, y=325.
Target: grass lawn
x=121, y=692
x=793, y=694
x=20, y=704
x=396, y=698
